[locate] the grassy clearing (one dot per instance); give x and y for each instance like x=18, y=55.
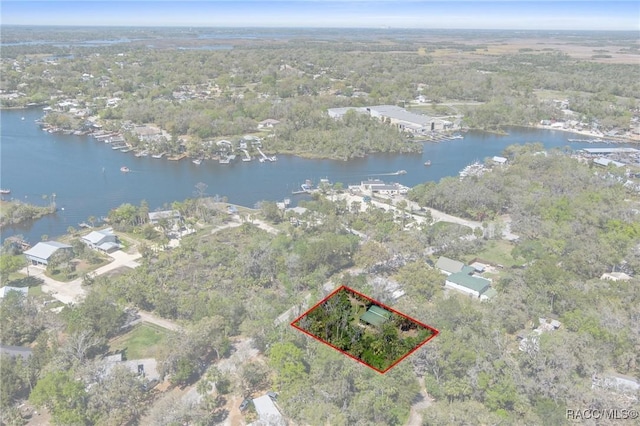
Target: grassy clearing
x=141, y=342
x=497, y=252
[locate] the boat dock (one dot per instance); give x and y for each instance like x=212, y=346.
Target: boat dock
x=247, y=156
x=265, y=157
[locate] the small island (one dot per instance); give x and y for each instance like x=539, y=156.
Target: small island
x=14, y=212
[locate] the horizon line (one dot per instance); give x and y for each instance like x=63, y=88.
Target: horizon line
x=311, y=27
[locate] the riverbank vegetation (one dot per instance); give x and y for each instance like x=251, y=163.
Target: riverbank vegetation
x=15, y=212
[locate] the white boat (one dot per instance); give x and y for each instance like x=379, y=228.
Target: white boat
x=197, y=161
x=5, y=191
x=427, y=163
x=124, y=169
x=401, y=172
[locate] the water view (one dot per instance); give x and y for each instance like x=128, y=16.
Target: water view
x=84, y=174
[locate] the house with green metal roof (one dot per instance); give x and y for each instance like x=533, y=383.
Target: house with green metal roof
x=375, y=316
x=468, y=284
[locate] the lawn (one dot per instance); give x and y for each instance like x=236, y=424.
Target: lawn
x=497, y=252
x=141, y=342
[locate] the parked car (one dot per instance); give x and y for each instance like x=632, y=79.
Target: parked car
x=244, y=404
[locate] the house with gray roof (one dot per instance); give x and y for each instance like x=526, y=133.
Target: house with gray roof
x=449, y=266
x=401, y=118
x=7, y=289
x=171, y=215
x=42, y=252
x=104, y=240
x=268, y=413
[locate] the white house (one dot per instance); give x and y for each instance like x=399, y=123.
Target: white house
x=380, y=187
x=268, y=414
x=42, y=252
x=103, y=239
x=268, y=123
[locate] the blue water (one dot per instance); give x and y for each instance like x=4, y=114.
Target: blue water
x=34, y=163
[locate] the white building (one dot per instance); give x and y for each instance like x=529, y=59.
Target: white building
x=42, y=252
x=103, y=239
x=268, y=414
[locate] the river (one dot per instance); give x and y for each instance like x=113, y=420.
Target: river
x=84, y=174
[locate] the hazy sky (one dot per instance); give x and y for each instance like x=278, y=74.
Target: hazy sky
x=478, y=14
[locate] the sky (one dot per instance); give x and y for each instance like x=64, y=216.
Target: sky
x=424, y=14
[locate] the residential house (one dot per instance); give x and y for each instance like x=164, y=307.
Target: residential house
x=460, y=277
x=468, y=284
x=268, y=413
x=147, y=133
x=530, y=343
x=269, y=123
x=615, y=276
x=171, y=215
x=380, y=187
x=449, y=266
x=42, y=252
x=375, y=316
x=104, y=240
x=7, y=289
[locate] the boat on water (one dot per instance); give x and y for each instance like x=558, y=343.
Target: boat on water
x=5, y=191
x=427, y=163
x=401, y=172
x=197, y=161
x=124, y=169
x=457, y=137
x=158, y=155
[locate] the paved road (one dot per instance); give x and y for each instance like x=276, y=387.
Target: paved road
x=73, y=292
x=437, y=215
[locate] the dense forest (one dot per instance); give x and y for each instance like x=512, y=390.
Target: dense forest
x=230, y=285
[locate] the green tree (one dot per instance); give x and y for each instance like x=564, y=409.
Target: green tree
x=63, y=396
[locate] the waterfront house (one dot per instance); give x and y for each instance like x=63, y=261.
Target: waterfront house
x=104, y=240
x=380, y=187
x=173, y=216
x=42, y=252
x=147, y=133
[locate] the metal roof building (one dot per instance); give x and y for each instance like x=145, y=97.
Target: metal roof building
x=41, y=252
x=475, y=286
x=268, y=413
x=7, y=289
x=375, y=316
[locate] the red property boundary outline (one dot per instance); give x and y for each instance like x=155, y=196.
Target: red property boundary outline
x=344, y=287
